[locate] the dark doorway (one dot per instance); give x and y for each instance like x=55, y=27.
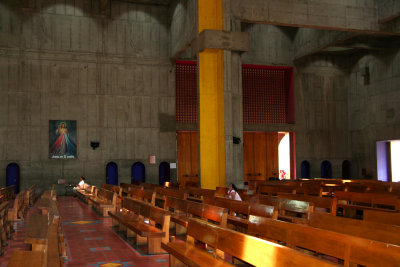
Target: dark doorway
x=138, y=172
x=305, y=169
x=346, y=169
x=163, y=173
x=326, y=169
x=112, y=173
x=12, y=176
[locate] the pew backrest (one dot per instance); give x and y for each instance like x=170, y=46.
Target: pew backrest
x=353, y=250
x=370, y=230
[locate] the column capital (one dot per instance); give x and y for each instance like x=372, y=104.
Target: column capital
x=216, y=39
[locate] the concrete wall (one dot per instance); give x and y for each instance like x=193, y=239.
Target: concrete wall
x=374, y=107
x=269, y=45
x=109, y=73
x=183, y=16
x=321, y=112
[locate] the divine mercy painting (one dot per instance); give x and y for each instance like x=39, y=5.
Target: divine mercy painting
x=62, y=139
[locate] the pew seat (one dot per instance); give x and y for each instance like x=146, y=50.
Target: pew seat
x=149, y=224
x=228, y=242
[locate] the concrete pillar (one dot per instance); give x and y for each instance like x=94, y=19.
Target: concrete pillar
x=211, y=100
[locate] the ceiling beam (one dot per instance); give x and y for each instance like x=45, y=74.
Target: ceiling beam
x=388, y=10
x=346, y=15
x=311, y=41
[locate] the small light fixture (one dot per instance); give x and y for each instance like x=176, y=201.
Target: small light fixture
x=94, y=145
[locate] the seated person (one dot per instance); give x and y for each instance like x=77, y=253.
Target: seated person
x=81, y=184
x=232, y=193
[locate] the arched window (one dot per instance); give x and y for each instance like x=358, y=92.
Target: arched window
x=138, y=172
x=346, y=169
x=326, y=169
x=305, y=169
x=112, y=173
x=163, y=173
x=12, y=176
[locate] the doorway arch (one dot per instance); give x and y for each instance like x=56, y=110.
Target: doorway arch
x=163, y=173
x=346, y=169
x=12, y=176
x=305, y=169
x=138, y=172
x=326, y=169
x=112, y=173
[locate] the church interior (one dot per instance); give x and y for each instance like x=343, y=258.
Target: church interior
x=199, y=133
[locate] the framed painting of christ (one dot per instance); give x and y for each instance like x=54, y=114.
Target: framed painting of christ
x=62, y=141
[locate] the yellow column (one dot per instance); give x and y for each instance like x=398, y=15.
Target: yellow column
x=211, y=100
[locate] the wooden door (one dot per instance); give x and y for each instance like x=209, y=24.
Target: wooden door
x=260, y=153
x=272, y=162
x=260, y=156
x=188, y=158
x=248, y=155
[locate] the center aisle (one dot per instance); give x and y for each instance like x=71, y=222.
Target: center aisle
x=91, y=241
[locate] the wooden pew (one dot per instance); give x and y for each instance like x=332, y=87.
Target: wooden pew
x=32, y=195
x=351, y=249
x=273, y=190
x=7, y=193
x=369, y=230
x=26, y=258
x=196, y=194
x=42, y=234
x=104, y=201
x=321, y=204
x=384, y=217
x=185, y=209
x=162, y=193
x=5, y=226
x=126, y=187
x=20, y=206
x=143, y=195
x=149, y=224
x=249, y=249
x=239, y=211
x=288, y=210
x=361, y=201
x=110, y=187
x=86, y=193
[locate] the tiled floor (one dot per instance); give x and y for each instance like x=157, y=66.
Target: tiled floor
x=90, y=240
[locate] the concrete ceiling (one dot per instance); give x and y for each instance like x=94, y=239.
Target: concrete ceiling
x=149, y=2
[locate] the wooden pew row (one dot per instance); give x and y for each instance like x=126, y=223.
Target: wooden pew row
x=182, y=210
x=239, y=211
x=319, y=242
x=288, y=210
x=149, y=224
x=7, y=193
x=20, y=206
x=86, y=193
x=5, y=226
x=321, y=204
x=385, y=233
x=249, y=249
x=42, y=234
x=104, y=201
x=148, y=196
x=197, y=194
x=126, y=187
x=392, y=218
x=162, y=193
x=363, y=201
x=32, y=195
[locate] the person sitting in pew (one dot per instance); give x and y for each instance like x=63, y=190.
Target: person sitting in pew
x=80, y=185
x=232, y=192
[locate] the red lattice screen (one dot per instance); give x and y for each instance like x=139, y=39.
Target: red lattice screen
x=186, y=91
x=267, y=94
